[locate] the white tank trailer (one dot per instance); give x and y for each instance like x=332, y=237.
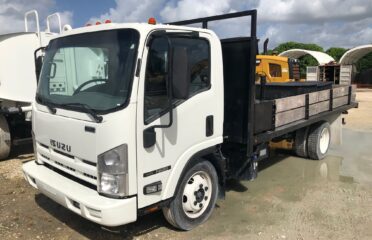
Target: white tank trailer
x=20, y=61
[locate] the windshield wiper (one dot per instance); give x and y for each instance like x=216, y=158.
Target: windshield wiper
x=49, y=105
x=87, y=109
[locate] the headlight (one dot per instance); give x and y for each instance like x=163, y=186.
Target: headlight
x=113, y=172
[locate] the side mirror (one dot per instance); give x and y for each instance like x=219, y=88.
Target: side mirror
x=180, y=73
x=149, y=137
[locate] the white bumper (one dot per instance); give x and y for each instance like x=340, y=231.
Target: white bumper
x=80, y=199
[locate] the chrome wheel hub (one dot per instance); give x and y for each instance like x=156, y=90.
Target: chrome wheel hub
x=196, y=195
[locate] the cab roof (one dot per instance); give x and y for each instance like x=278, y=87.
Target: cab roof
x=141, y=27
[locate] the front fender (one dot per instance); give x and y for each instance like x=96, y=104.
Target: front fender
x=181, y=163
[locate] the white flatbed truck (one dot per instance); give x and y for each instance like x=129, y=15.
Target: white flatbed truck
x=18, y=80
x=157, y=116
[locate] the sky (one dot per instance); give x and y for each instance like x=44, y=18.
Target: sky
x=328, y=23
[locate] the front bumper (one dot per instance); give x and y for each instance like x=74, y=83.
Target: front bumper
x=80, y=199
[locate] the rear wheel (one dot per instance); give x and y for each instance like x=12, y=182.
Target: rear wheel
x=5, y=140
x=319, y=140
x=195, y=199
x=300, y=143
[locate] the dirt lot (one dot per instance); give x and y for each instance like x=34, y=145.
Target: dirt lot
x=292, y=198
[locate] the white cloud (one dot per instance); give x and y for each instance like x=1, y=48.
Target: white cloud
x=314, y=11
x=327, y=23
x=186, y=9
x=12, y=13
x=132, y=11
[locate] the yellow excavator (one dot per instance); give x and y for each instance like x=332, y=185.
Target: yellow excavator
x=276, y=68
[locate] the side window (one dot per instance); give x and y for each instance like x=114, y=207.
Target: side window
x=156, y=95
x=199, y=61
x=275, y=70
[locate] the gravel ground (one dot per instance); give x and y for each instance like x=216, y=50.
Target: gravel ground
x=292, y=198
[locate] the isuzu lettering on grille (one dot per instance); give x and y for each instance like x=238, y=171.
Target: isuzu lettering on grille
x=60, y=145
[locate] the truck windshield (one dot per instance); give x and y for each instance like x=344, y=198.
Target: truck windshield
x=94, y=70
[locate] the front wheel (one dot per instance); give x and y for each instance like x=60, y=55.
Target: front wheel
x=195, y=199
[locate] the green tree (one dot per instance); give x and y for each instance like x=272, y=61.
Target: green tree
x=292, y=45
x=306, y=60
x=336, y=52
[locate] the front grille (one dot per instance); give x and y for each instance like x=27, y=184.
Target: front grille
x=67, y=167
x=45, y=157
x=90, y=163
x=71, y=177
x=64, y=154
x=44, y=146
x=90, y=176
x=78, y=168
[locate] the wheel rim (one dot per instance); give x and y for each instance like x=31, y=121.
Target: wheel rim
x=324, y=140
x=197, y=194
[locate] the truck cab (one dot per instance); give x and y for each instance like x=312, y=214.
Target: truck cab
x=103, y=91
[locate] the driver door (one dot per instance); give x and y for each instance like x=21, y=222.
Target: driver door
x=155, y=164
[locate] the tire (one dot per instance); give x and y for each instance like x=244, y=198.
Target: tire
x=5, y=140
x=319, y=140
x=300, y=143
x=195, y=198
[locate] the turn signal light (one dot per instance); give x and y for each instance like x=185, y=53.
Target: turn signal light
x=152, y=21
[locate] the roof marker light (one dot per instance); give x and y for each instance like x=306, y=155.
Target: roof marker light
x=88, y=24
x=108, y=21
x=98, y=23
x=152, y=21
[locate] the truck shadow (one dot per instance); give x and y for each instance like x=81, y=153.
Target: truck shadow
x=90, y=230
x=21, y=152
x=276, y=157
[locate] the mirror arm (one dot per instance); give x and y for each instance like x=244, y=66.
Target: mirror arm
x=149, y=134
x=170, y=119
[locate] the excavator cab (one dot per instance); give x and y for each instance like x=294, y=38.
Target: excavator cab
x=276, y=68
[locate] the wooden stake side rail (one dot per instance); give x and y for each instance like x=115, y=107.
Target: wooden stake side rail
x=304, y=106
x=267, y=136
